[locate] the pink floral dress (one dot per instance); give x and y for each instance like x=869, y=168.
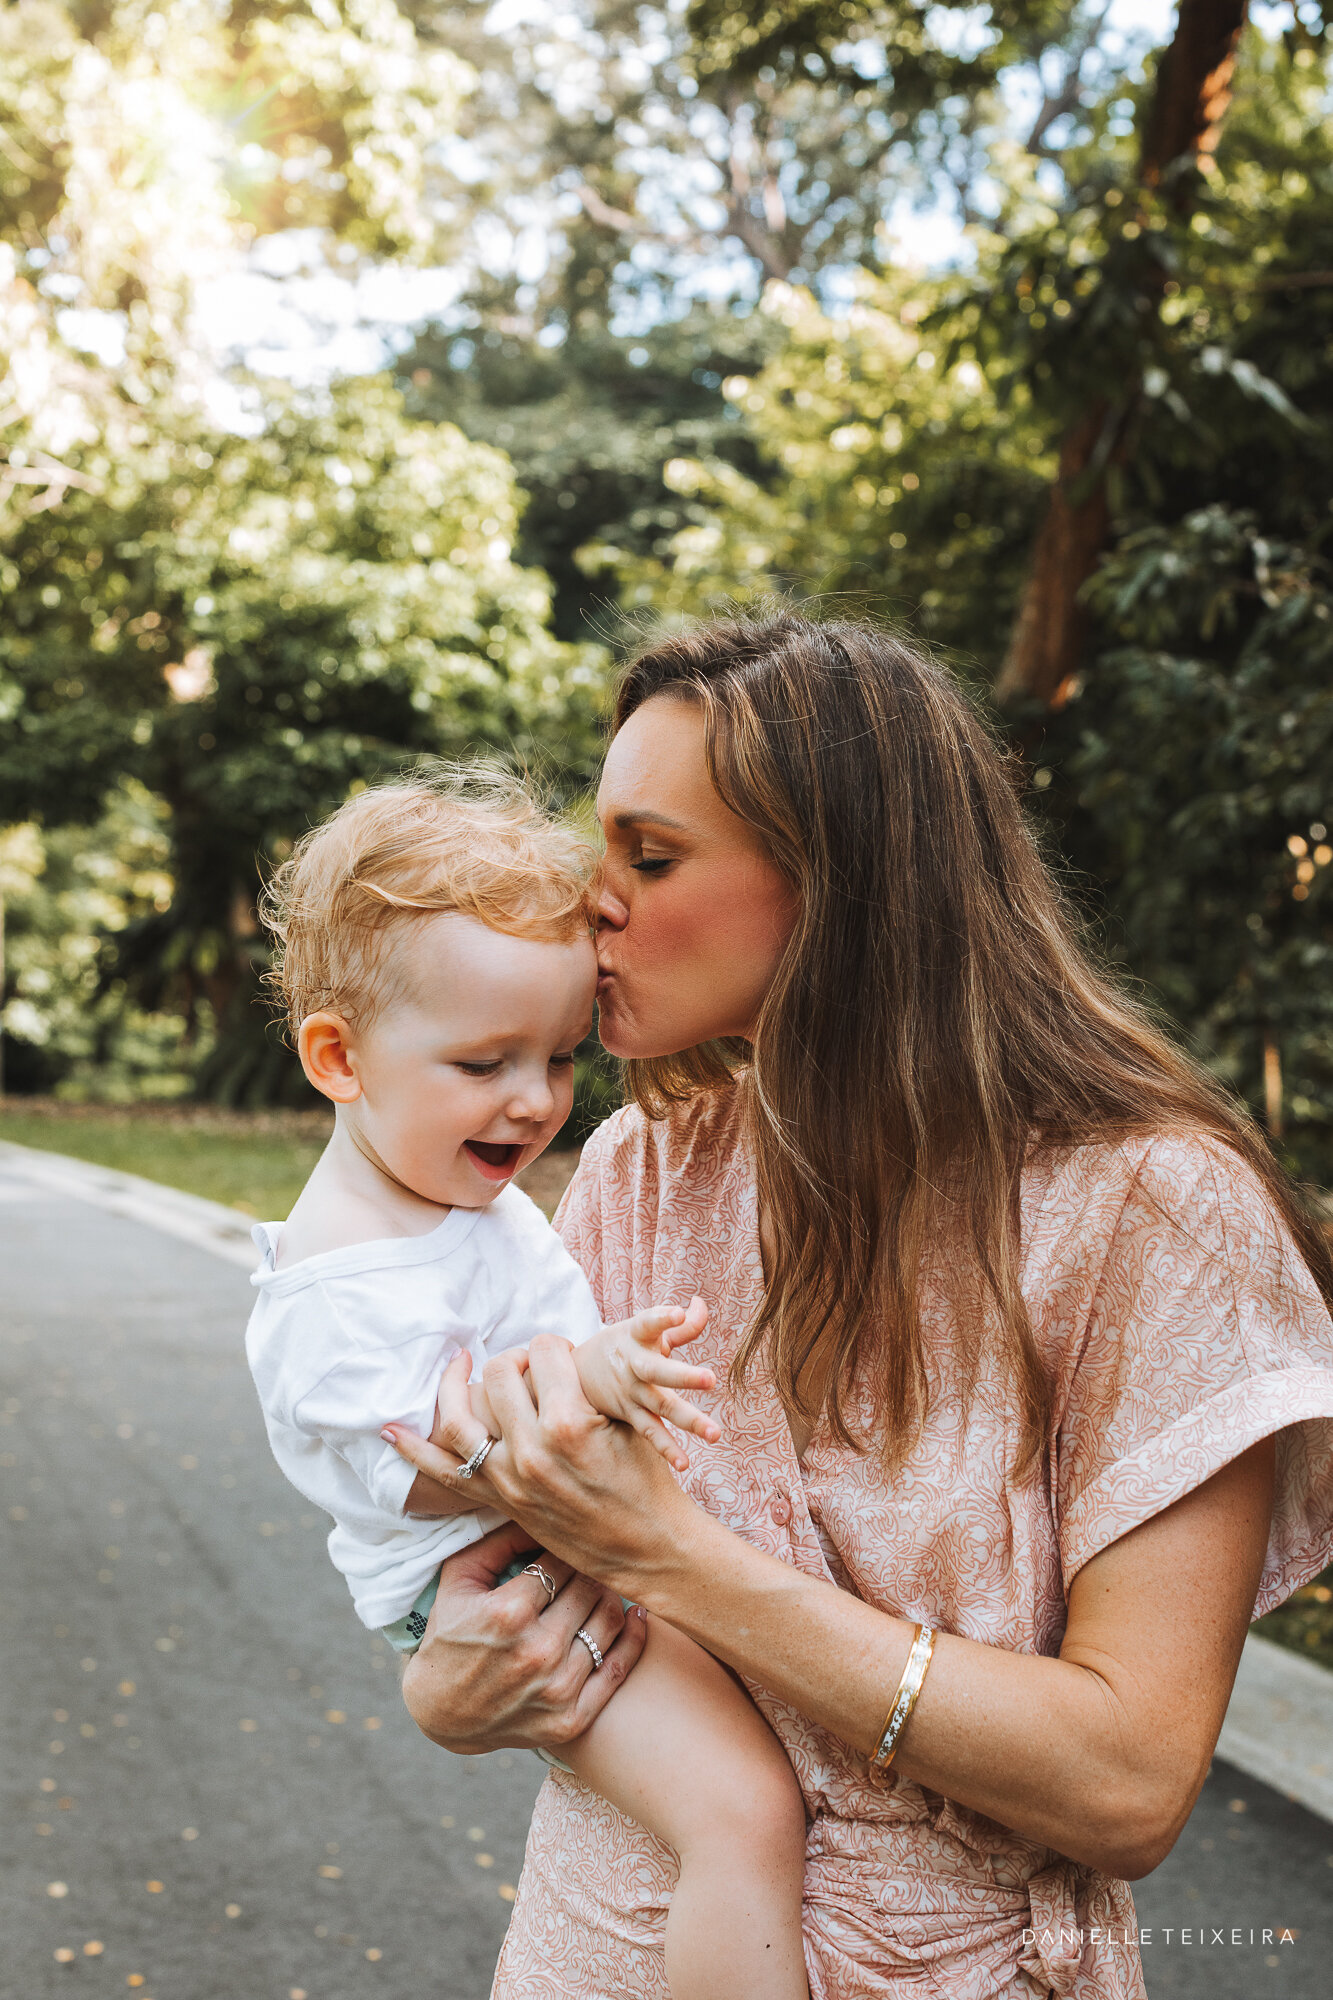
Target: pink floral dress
x=1181, y=1326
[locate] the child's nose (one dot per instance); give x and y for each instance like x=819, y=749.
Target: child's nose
x=533, y=1101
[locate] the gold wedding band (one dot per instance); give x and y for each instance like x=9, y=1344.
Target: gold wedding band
x=535, y=1569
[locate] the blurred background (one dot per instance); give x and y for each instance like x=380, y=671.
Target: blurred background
x=375, y=369
x=369, y=364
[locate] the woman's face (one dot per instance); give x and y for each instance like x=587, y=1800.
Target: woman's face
x=693, y=916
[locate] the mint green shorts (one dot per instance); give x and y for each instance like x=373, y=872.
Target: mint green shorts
x=406, y=1633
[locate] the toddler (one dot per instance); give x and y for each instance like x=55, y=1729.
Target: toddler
x=435, y=957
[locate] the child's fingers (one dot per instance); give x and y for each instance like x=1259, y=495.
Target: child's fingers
x=659, y=1437
x=650, y=1367
x=661, y=1401
x=675, y=1410
x=688, y=1327
x=651, y=1327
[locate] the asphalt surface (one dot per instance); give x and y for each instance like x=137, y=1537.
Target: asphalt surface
x=210, y=1790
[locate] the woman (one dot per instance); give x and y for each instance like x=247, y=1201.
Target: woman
x=1018, y=1331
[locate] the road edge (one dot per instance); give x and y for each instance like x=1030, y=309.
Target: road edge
x=1279, y=1724
x=207, y=1224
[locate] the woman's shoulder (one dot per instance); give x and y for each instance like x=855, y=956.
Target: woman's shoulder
x=701, y=1137
x=1174, y=1223
x=1191, y=1181
x=635, y=1171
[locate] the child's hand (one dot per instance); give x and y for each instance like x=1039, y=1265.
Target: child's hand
x=628, y=1372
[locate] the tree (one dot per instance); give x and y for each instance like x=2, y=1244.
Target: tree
x=1181, y=124
x=909, y=446
x=654, y=156
x=245, y=623
x=70, y=892
x=590, y=428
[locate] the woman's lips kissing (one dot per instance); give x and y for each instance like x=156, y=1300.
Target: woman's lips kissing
x=494, y=1162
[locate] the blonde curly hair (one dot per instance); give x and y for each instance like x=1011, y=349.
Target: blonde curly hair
x=463, y=838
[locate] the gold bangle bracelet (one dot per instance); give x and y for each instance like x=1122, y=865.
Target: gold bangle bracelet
x=904, y=1701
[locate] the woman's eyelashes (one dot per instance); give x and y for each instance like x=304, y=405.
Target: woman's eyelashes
x=652, y=864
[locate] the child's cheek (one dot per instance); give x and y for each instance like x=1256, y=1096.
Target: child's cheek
x=564, y=1099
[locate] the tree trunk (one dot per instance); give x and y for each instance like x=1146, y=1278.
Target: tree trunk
x=1193, y=86
x=1047, y=640
x=1189, y=102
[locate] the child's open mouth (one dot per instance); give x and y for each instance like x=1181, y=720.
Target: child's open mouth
x=497, y=1163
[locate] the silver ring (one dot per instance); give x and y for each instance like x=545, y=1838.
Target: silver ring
x=477, y=1460
x=535, y=1569
x=592, y=1646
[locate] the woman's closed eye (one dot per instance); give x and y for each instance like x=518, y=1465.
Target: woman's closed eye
x=652, y=864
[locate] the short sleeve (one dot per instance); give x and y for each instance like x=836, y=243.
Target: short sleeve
x=541, y=1290
x=347, y=1407
x=1207, y=1332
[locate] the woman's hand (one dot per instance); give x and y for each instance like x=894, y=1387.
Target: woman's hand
x=590, y=1490
x=503, y=1668
x=439, y=1494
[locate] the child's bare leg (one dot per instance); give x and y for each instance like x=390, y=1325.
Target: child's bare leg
x=683, y=1750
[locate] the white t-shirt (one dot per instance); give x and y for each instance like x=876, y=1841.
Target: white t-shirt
x=347, y=1341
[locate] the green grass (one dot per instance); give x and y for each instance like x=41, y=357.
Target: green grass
x=256, y=1162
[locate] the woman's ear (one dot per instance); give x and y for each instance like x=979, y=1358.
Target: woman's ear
x=324, y=1044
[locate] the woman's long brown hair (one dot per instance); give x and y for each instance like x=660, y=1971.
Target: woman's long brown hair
x=935, y=1020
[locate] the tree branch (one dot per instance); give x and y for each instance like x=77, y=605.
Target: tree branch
x=1070, y=94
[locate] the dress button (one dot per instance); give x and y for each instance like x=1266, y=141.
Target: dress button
x=780, y=1510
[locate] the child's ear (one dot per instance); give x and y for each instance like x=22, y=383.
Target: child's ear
x=324, y=1044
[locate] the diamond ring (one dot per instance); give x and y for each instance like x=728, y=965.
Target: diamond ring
x=477, y=1460
x=592, y=1645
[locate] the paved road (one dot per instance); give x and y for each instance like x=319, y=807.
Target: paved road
x=210, y=1790
x=207, y=1770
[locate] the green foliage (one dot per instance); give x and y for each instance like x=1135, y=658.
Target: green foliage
x=69, y=892
x=243, y=625
x=220, y=633
x=590, y=427
x=1188, y=772
x=259, y=626
x=886, y=472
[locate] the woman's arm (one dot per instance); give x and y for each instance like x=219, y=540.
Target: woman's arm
x=1098, y=1754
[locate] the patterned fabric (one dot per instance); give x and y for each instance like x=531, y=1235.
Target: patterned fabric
x=1181, y=1327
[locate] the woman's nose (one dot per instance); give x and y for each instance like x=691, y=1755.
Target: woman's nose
x=611, y=911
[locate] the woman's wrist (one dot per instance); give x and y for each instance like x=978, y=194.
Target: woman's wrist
x=760, y=1616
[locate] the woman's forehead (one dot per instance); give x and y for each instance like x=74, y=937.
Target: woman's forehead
x=656, y=768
